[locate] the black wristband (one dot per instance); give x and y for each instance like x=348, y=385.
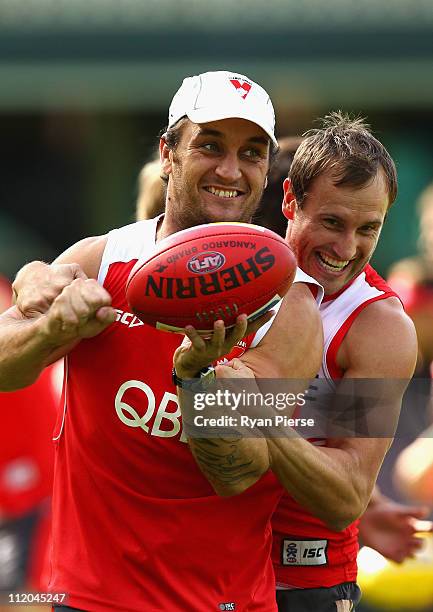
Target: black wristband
x=202, y=379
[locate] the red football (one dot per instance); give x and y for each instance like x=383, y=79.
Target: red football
x=209, y=272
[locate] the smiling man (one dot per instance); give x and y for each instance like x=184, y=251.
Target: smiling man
x=136, y=524
x=229, y=190
x=342, y=183
x=224, y=118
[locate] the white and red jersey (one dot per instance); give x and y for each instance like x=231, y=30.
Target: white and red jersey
x=136, y=524
x=306, y=553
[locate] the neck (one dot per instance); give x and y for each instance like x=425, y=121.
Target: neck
x=167, y=225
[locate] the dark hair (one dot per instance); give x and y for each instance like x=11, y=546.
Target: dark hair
x=345, y=146
x=172, y=136
x=269, y=213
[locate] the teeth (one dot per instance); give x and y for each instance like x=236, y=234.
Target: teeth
x=221, y=193
x=336, y=264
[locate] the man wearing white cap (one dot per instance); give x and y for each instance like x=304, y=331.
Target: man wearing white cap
x=137, y=526
x=213, y=112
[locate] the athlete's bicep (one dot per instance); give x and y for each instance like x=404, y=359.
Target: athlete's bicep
x=292, y=346
x=364, y=414
x=87, y=253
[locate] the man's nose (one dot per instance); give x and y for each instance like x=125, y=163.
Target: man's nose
x=346, y=247
x=228, y=168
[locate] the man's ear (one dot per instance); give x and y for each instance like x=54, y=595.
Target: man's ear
x=289, y=205
x=165, y=155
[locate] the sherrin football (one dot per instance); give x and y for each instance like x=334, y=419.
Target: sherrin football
x=209, y=272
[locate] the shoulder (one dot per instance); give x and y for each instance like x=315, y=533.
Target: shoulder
x=87, y=253
x=126, y=242
x=299, y=309
x=382, y=342
x=291, y=344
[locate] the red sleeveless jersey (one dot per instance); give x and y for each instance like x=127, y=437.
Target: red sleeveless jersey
x=305, y=552
x=136, y=524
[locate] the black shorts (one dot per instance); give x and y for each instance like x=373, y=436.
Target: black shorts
x=302, y=600
x=340, y=598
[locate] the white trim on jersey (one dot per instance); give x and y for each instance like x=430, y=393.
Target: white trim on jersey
x=302, y=277
x=336, y=312
x=57, y=434
x=133, y=241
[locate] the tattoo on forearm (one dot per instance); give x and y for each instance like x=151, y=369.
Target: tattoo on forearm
x=222, y=460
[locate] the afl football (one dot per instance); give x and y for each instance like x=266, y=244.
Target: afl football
x=209, y=272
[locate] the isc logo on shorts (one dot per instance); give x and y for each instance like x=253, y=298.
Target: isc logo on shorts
x=304, y=552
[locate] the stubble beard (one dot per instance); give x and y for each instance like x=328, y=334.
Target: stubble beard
x=189, y=212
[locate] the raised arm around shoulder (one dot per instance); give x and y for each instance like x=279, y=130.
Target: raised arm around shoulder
x=63, y=306
x=234, y=463
x=291, y=349
x=296, y=332
x=335, y=482
x=293, y=345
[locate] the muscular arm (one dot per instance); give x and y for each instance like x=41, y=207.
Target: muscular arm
x=293, y=346
x=232, y=465
x=59, y=314
x=335, y=482
x=24, y=350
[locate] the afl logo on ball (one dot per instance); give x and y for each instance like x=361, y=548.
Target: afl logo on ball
x=204, y=263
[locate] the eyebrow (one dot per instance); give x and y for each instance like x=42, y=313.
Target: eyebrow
x=254, y=139
x=376, y=222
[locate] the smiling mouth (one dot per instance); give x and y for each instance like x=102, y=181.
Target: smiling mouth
x=331, y=264
x=223, y=193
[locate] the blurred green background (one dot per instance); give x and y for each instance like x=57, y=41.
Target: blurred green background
x=85, y=86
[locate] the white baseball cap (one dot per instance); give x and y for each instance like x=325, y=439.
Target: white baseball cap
x=213, y=96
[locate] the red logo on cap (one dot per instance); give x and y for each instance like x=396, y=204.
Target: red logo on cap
x=242, y=87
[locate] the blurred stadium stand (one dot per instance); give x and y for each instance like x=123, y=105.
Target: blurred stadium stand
x=364, y=52
x=85, y=85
